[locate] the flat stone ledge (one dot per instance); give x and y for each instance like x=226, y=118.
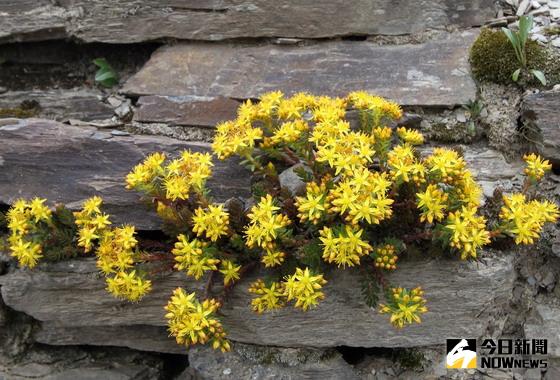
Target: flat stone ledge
x=69, y=164
x=71, y=295
x=435, y=73
x=129, y=21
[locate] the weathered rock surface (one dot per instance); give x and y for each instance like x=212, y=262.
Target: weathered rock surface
x=185, y=111
x=434, y=73
x=250, y=362
x=544, y=322
x=71, y=295
x=136, y=21
x=542, y=111
x=68, y=164
x=61, y=105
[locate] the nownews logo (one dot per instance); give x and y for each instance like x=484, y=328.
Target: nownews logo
x=497, y=353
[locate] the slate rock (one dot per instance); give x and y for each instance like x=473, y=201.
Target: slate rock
x=199, y=112
x=435, y=73
x=60, y=104
x=69, y=164
x=129, y=21
x=254, y=362
x=541, y=111
x=71, y=295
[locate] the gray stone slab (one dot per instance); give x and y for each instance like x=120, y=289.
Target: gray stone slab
x=69, y=164
x=461, y=299
x=541, y=111
x=435, y=73
x=62, y=104
x=199, y=112
x=129, y=21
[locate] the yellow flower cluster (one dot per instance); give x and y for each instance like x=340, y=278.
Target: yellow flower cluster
x=265, y=226
x=212, y=222
x=271, y=297
x=404, y=166
x=312, y=206
x=91, y=222
x=525, y=219
x=536, y=166
x=25, y=220
x=362, y=197
x=468, y=231
x=385, y=257
x=174, y=180
x=432, y=203
x=410, y=136
x=405, y=306
x=128, y=285
x=345, y=152
x=115, y=251
x=193, y=257
x=375, y=106
x=192, y=322
x=344, y=245
x=304, y=288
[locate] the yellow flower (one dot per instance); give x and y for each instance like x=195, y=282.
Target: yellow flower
x=230, y=271
x=235, y=137
x=411, y=136
x=289, y=132
x=86, y=238
x=312, y=206
x=304, y=288
x=271, y=297
x=91, y=205
x=128, y=285
x=468, y=231
x=192, y=257
x=265, y=224
x=405, y=306
x=446, y=165
x=192, y=322
x=433, y=203
x=212, y=222
x=39, y=211
x=525, y=220
x=27, y=253
x=536, y=166
x=343, y=246
x=403, y=165
x=272, y=258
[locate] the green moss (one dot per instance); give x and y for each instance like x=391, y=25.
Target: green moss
x=493, y=59
x=552, y=30
x=18, y=112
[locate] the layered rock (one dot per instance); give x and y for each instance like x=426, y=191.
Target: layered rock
x=435, y=73
x=136, y=21
x=70, y=300
x=69, y=164
x=541, y=116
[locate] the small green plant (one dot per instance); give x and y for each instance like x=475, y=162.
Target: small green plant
x=474, y=109
x=519, y=41
x=106, y=75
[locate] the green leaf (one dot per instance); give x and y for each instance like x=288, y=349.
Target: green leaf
x=540, y=76
x=515, y=75
x=525, y=26
x=106, y=75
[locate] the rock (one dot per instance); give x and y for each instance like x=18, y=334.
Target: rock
x=541, y=115
x=131, y=21
x=555, y=13
x=69, y=164
x=544, y=322
x=523, y=6
x=124, y=109
x=290, y=180
x=143, y=338
x=253, y=362
x=79, y=363
x=435, y=73
x=70, y=294
x=61, y=105
x=489, y=167
x=205, y=112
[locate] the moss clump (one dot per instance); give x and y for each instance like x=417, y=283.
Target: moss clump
x=27, y=108
x=493, y=59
